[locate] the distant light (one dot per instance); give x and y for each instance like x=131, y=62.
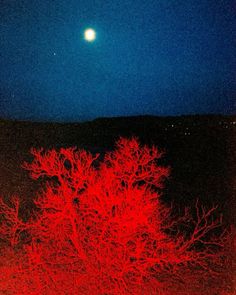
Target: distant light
x=89, y=35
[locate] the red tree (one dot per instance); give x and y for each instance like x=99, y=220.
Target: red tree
x=103, y=229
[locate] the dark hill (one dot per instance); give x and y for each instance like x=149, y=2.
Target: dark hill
x=199, y=149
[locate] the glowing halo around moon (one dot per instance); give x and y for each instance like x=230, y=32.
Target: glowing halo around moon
x=89, y=35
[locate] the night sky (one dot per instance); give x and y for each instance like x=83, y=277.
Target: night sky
x=154, y=57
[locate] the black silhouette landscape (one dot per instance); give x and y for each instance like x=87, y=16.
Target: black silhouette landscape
x=200, y=151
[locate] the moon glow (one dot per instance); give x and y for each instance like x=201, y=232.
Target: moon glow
x=89, y=35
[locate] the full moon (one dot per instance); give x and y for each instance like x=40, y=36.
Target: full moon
x=89, y=35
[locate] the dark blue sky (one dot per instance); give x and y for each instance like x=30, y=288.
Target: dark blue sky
x=150, y=57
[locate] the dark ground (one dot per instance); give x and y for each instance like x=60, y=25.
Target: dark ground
x=199, y=149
